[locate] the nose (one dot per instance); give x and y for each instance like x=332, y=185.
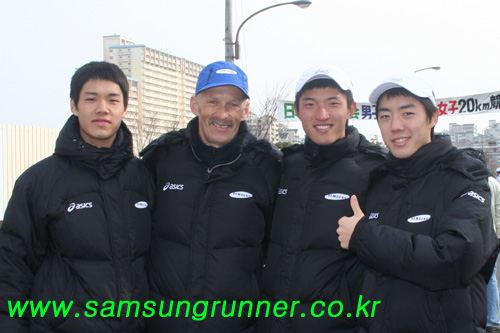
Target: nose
x=222, y=112
x=322, y=113
x=102, y=106
x=397, y=124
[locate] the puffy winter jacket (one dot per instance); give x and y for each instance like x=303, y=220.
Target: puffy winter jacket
x=305, y=261
x=77, y=229
x=426, y=238
x=209, y=228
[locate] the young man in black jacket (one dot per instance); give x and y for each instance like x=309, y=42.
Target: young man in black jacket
x=216, y=185
x=77, y=227
x=426, y=238
x=306, y=267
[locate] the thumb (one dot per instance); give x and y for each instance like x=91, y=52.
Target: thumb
x=355, y=206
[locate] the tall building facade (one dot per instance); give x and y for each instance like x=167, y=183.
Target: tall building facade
x=161, y=86
x=20, y=148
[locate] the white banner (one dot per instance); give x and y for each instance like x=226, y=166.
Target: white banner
x=453, y=106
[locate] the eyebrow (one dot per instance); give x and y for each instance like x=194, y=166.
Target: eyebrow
x=95, y=94
x=403, y=107
x=313, y=99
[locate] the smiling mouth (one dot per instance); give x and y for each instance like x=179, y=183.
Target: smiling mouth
x=218, y=125
x=400, y=140
x=322, y=127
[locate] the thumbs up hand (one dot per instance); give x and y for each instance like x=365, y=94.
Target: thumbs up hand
x=347, y=224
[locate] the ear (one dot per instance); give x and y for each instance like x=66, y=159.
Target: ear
x=296, y=110
x=434, y=119
x=247, y=109
x=124, y=112
x=74, y=109
x=352, y=109
x=194, y=106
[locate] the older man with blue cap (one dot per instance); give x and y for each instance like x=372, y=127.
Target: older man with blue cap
x=216, y=185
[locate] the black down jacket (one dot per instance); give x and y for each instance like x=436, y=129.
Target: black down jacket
x=209, y=230
x=426, y=237
x=305, y=261
x=77, y=229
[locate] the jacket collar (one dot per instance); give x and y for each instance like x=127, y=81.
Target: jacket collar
x=420, y=163
x=218, y=156
x=317, y=154
x=105, y=161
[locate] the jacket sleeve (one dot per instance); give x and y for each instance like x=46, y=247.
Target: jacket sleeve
x=464, y=240
x=23, y=239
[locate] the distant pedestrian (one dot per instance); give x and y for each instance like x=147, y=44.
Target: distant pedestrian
x=492, y=293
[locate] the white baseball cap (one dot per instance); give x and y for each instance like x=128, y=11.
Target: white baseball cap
x=412, y=83
x=324, y=72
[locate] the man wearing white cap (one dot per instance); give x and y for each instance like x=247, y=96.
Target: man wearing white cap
x=426, y=238
x=306, y=267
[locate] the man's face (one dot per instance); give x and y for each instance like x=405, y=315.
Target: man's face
x=220, y=111
x=100, y=111
x=324, y=114
x=404, y=125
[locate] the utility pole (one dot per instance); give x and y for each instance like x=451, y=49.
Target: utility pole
x=229, y=32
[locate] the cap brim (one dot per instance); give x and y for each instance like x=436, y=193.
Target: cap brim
x=218, y=84
x=382, y=88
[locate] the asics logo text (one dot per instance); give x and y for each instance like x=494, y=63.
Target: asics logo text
x=169, y=186
x=72, y=206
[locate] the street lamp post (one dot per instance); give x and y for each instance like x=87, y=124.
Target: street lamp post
x=230, y=56
x=436, y=68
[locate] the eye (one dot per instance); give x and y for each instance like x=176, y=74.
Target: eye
x=407, y=114
x=383, y=116
x=90, y=99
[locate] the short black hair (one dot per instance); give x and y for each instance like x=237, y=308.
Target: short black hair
x=98, y=70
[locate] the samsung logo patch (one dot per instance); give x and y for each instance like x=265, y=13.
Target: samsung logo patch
x=419, y=218
x=337, y=196
x=240, y=195
x=141, y=204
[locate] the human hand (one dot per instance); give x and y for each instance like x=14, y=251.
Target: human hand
x=347, y=224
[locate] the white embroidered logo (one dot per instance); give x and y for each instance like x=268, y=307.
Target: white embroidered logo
x=337, y=196
x=83, y=205
x=282, y=191
x=169, y=186
x=141, y=204
x=373, y=216
x=240, y=195
x=419, y=218
x=474, y=195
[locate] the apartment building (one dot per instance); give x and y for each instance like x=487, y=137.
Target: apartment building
x=161, y=87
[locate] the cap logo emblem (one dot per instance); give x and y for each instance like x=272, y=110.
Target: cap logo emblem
x=226, y=71
x=321, y=71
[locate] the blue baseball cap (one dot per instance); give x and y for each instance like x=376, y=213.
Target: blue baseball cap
x=222, y=73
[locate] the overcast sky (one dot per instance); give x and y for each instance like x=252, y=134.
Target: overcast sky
x=45, y=41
